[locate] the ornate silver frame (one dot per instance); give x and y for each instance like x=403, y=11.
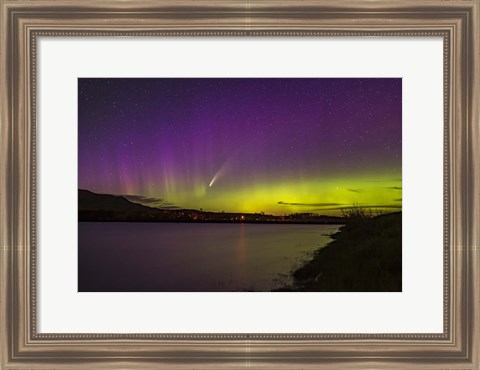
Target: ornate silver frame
x=23, y=22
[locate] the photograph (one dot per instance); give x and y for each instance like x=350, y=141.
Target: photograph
x=239, y=184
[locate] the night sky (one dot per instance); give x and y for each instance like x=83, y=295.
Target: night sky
x=280, y=146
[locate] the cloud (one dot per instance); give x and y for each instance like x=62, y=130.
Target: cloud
x=366, y=206
x=383, y=180
x=393, y=206
x=309, y=204
x=151, y=202
x=355, y=190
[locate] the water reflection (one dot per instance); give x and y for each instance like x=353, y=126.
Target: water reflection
x=241, y=256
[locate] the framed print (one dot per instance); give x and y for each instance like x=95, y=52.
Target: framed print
x=260, y=184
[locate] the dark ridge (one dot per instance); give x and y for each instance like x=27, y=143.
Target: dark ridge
x=89, y=201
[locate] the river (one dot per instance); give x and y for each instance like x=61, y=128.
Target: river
x=193, y=257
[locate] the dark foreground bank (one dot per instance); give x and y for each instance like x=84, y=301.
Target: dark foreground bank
x=365, y=256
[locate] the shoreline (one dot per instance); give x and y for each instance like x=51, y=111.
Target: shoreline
x=363, y=256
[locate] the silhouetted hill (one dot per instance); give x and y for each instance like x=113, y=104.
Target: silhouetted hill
x=106, y=207
x=89, y=201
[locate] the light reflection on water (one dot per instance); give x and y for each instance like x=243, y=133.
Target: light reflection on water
x=193, y=257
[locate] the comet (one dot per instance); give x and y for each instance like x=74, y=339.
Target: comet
x=220, y=172
x=213, y=180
